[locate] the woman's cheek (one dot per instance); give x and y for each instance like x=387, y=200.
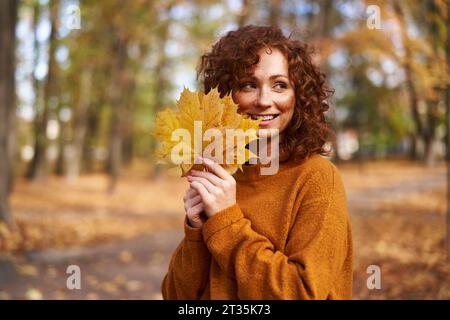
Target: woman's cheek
x=245, y=104
x=287, y=110
x=286, y=103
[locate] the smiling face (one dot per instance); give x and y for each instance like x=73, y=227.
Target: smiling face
x=268, y=93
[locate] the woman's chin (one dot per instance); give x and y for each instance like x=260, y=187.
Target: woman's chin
x=267, y=132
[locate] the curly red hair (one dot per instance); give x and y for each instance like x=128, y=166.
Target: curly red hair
x=235, y=55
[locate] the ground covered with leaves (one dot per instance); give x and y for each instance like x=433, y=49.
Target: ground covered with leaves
x=123, y=241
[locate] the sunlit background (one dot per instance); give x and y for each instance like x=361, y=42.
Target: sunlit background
x=78, y=98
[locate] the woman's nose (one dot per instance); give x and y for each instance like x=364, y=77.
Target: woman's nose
x=264, y=99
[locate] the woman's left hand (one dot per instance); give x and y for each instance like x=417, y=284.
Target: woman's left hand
x=217, y=187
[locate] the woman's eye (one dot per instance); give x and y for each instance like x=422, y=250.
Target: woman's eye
x=281, y=85
x=247, y=85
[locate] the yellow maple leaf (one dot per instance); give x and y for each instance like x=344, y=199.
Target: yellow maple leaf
x=198, y=113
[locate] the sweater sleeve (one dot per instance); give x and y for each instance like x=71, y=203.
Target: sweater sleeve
x=315, y=251
x=189, y=266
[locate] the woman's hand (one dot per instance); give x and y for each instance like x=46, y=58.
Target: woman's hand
x=193, y=206
x=217, y=188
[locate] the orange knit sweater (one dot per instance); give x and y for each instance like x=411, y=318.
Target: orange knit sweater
x=287, y=237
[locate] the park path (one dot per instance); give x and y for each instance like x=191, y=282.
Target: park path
x=134, y=268
x=366, y=201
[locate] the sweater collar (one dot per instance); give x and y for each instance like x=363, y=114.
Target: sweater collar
x=252, y=172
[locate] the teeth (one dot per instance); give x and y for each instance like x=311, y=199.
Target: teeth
x=263, y=117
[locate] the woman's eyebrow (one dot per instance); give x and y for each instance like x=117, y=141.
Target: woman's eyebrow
x=270, y=78
x=248, y=78
x=278, y=76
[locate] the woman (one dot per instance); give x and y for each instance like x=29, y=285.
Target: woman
x=253, y=236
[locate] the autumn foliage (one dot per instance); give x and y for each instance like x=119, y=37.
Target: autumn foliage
x=212, y=112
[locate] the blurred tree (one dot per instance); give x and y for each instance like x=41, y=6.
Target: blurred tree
x=127, y=32
x=119, y=83
x=447, y=103
x=243, y=14
x=425, y=124
x=418, y=56
x=8, y=18
x=89, y=70
x=105, y=62
x=104, y=99
x=39, y=167
x=80, y=121
x=274, y=9
x=162, y=83
x=412, y=95
x=436, y=27
x=325, y=22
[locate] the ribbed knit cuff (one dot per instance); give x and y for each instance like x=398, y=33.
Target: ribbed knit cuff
x=192, y=234
x=221, y=220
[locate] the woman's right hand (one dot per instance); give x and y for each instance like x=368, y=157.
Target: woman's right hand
x=193, y=206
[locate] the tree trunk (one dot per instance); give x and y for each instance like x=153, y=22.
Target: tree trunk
x=37, y=90
x=38, y=166
x=73, y=157
x=8, y=19
x=430, y=140
x=243, y=15
x=447, y=102
x=324, y=28
x=127, y=147
x=117, y=111
x=92, y=135
x=274, y=12
x=413, y=148
x=161, y=85
x=410, y=88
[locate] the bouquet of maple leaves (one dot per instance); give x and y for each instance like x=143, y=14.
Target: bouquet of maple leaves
x=214, y=113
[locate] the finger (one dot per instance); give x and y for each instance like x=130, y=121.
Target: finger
x=195, y=209
x=215, y=180
x=190, y=193
x=194, y=192
x=208, y=185
x=216, y=168
x=206, y=197
x=193, y=201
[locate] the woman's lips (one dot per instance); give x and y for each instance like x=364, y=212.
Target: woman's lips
x=265, y=123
